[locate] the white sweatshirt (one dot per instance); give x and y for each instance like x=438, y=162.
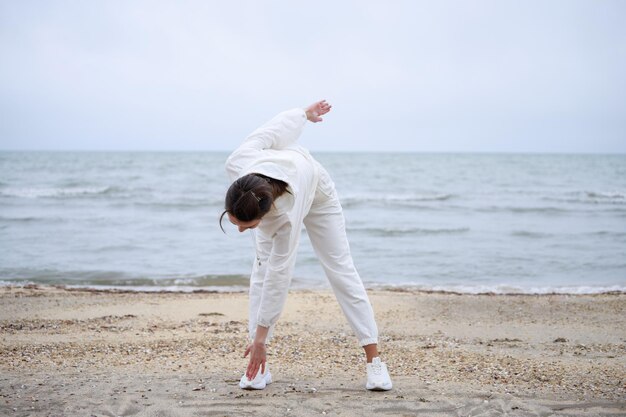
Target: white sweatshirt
x=271, y=150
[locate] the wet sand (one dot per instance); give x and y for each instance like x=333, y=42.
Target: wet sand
x=106, y=353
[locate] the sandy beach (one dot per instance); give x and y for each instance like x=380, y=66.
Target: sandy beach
x=106, y=353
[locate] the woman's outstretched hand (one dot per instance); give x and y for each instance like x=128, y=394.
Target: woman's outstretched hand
x=257, y=359
x=315, y=110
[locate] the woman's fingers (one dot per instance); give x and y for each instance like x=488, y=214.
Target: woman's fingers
x=317, y=109
x=253, y=368
x=257, y=360
x=323, y=107
x=247, y=351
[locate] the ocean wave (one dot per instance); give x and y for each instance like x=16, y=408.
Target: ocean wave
x=387, y=231
x=612, y=233
x=180, y=204
x=51, y=192
x=589, y=197
x=115, y=248
x=611, y=195
x=530, y=234
x=116, y=280
x=31, y=219
x=523, y=209
x=25, y=219
x=240, y=283
x=393, y=199
x=503, y=289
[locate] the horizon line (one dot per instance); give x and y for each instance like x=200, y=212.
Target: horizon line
x=317, y=151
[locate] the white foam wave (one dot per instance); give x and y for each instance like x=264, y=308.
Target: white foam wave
x=521, y=209
x=506, y=289
x=612, y=195
x=52, y=192
x=501, y=289
x=132, y=288
x=392, y=199
x=530, y=234
x=387, y=231
x=589, y=197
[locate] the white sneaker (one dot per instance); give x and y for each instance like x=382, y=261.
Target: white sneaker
x=377, y=376
x=260, y=381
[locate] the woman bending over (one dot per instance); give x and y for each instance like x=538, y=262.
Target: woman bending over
x=277, y=188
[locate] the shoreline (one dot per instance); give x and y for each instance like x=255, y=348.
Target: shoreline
x=77, y=351
x=418, y=289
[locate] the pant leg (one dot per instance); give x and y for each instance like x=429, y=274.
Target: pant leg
x=263, y=247
x=325, y=225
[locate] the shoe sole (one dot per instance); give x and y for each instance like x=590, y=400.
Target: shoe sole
x=260, y=385
x=378, y=388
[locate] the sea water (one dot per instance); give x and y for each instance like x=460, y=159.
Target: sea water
x=530, y=223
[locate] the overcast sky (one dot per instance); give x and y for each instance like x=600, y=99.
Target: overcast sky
x=470, y=76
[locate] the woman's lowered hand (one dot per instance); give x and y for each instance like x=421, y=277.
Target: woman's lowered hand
x=257, y=359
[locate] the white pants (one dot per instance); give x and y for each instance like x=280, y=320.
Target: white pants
x=325, y=225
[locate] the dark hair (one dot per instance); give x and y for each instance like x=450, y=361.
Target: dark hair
x=251, y=197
